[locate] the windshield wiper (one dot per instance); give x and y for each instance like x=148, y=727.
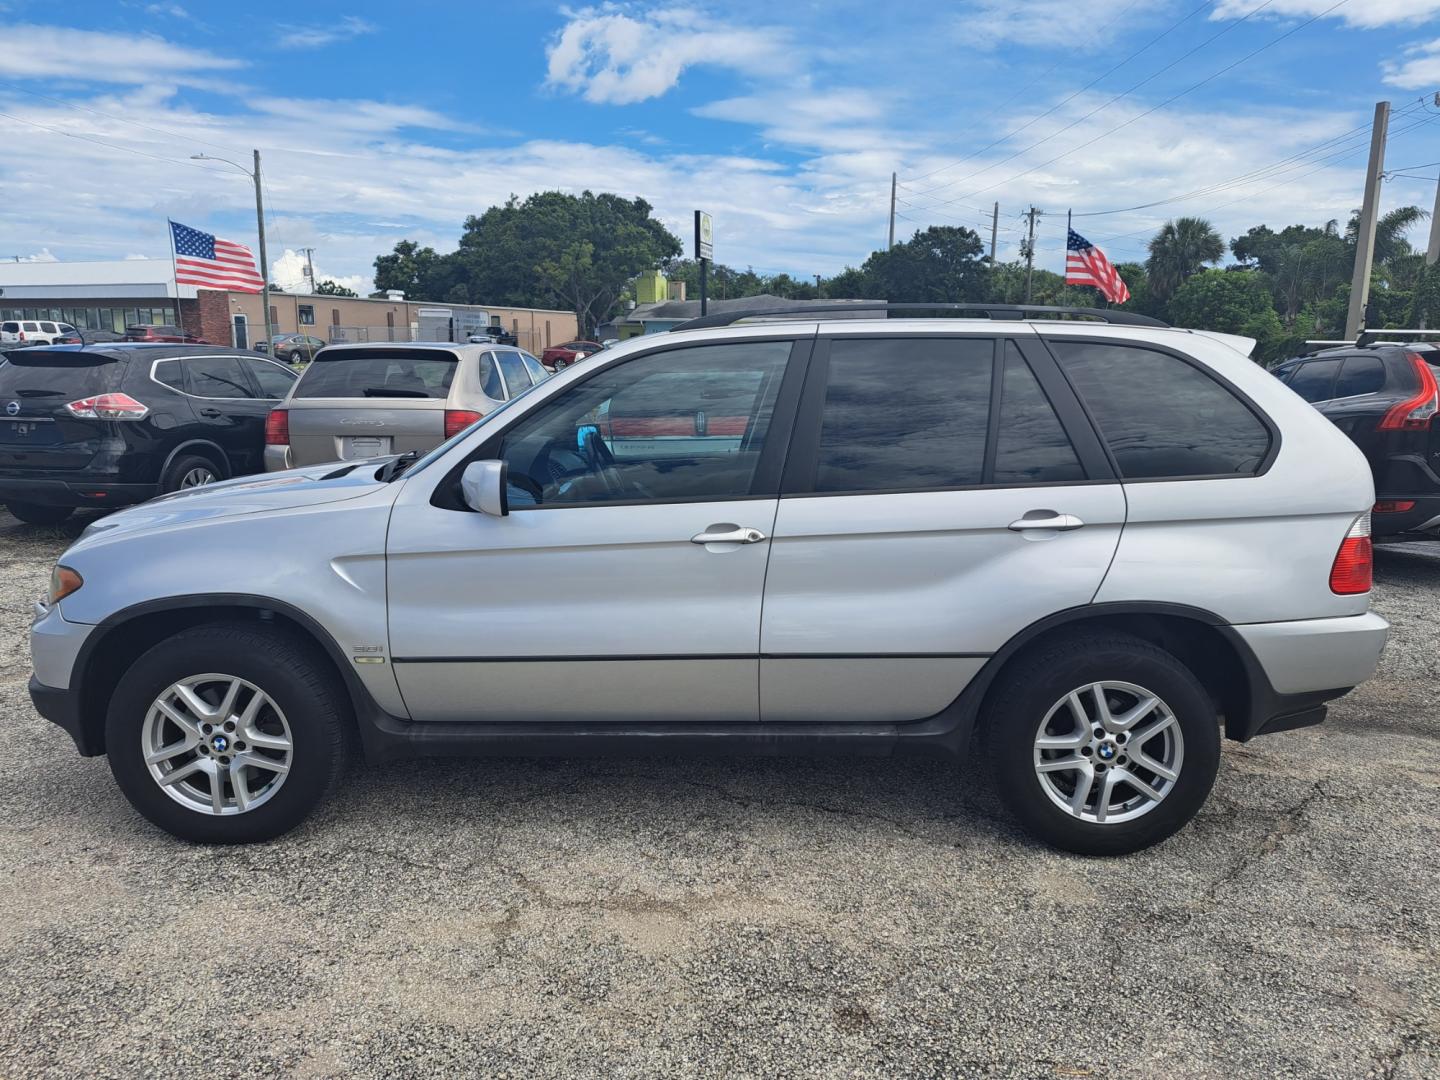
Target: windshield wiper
x=395, y=466
x=387, y=391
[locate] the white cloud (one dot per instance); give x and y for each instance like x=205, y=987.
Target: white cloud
x=1034, y=23
x=134, y=257
x=1365, y=14
x=614, y=58
x=175, y=11
x=288, y=271
x=320, y=35
x=1420, y=71
x=41, y=256
x=35, y=52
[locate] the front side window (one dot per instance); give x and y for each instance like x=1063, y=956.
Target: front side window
x=217, y=377
x=1161, y=416
x=686, y=423
x=538, y=374
x=905, y=414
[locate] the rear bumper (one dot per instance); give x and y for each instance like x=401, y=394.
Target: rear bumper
x=1298, y=666
x=1423, y=518
x=76, y=492
x=277, y=458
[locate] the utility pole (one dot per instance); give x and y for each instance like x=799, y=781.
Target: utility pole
x=310, y=266
x=260, y=225
x=1369, y=213
x=1433, y=251
x=1031, y=215
x=891, y=243
x=994, y=230
x=264, y=260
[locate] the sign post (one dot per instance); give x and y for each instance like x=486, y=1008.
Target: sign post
x=704, y=252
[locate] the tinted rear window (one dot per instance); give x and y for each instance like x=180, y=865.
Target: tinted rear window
x=358, y=374
x=1163, y=416
x=37, y=375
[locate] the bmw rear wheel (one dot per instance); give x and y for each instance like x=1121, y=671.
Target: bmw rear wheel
x=1103, y=745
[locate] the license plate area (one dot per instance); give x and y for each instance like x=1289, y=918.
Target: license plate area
x=29, y=432
x=364, y=446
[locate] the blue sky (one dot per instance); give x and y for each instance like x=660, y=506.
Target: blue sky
x=785, y=121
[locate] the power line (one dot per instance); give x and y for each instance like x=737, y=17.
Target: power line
x=102, y=142
x=119, y=119
x=1168, y=101
x=1099, y=78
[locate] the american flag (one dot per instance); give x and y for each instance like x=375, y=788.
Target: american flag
x=205, y=260
x=1086, y=264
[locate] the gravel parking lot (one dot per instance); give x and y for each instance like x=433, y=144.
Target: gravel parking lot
x=670, y=917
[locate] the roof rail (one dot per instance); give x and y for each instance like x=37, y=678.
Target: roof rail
x=1367, y=337
x=1012, y=312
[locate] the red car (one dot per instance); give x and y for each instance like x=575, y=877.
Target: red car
x=572, y=352
x=162, y=333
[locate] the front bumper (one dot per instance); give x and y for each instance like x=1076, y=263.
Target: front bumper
x=55, y=647
x=78, y=492
x=62, y=707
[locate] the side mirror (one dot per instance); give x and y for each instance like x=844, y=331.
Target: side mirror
x=482, y=485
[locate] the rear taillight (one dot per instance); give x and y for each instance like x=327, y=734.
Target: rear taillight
x=1392, y=506
x=457, y=420
x=108, y=407
x=1354, y=562
x=277, y=428
x=1414, y=413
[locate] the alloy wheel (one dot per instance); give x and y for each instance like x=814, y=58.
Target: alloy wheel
x=197, y=477
x=1109, y=752
x=216, y=744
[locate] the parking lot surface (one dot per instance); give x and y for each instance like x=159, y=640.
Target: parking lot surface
x=630, y=917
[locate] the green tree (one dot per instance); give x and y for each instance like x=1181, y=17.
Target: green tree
x=1181, y=249
x=580, y=251
x=333, y=288
x=941, y=264
x=412, y=269
x=1425, y=300
x=1230, y=302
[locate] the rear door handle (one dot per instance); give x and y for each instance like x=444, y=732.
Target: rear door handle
x=728, y=534
x=210, y=412
x=1046, y=519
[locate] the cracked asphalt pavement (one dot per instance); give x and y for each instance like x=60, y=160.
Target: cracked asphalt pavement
x=734, y=917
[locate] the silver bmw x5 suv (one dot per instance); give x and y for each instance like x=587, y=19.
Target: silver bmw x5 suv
x=1099, y=542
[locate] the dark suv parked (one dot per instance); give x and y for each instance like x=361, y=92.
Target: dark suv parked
x=1384, y=397
x=115, y=424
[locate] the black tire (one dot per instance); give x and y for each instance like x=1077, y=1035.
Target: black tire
x=560, y=365
x=1032, y=684
x=185, y=465
x=38, y=514
x=290, y=671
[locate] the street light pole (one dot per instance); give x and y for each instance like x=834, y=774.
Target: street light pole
x=260, y=223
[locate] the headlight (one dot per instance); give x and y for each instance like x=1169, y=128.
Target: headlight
x=63, y=582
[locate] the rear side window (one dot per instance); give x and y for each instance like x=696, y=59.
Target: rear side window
x=217, y=377
x=273, y=380
x=905, y=413
x=355, y=373
x=517, y=379
x=169, y=373
x=1360, y=375
x=1162, y=416
x=10, y=327
x=1315, y=380
x=1031, y=447
x=490, y=378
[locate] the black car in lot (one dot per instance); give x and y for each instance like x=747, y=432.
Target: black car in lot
x=114, y=424
x=1384, y=396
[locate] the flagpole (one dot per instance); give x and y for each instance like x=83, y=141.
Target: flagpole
x=175, y=277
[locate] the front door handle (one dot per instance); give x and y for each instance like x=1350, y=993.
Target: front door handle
x=728, y=534
x=1046, y=519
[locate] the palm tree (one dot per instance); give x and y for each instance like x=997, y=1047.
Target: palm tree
x=1179, y=250
x=1390, y=230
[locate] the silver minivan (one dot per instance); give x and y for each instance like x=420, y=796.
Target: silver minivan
x=369, y=400
x=1106, y=545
